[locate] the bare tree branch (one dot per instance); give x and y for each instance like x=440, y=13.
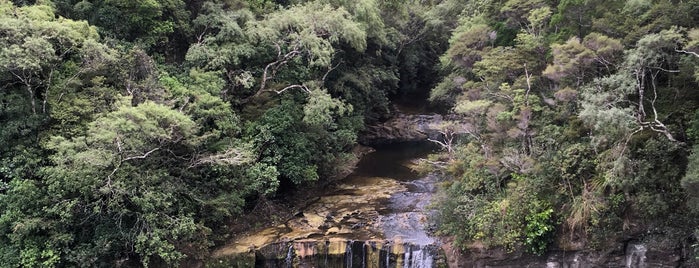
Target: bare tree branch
x=688, y=52
x=26, y=80
x=665, y=70
x=330, y=69
x=303, y=87
x=140, y=156
x=271, y=68
x=274, y=66
x=529, y=85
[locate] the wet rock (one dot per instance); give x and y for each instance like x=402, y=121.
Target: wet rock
x=332, y=231
x=336, y=252
x=369, y=219
x=635, y=256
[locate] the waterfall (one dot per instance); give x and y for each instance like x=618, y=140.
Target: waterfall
x=290, y=257
x=636, y=256
x=418, y=257
x=348, y=253
x=375, y=218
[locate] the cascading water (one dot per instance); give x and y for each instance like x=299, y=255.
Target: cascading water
x=362, y=254
x=636, y=256
x=348, y=253
x=376, y=218
x=418, y=257
x=290, y=257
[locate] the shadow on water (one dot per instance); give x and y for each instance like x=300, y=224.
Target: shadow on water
x=393, y=160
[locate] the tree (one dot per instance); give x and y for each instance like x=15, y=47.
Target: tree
x=286, y=55
x=35, y=44
x=575, y=62
x=605, y=102
x=46, y=59
x=155, y=25
x=302, y=36
x=577, y=16
x=147, y=180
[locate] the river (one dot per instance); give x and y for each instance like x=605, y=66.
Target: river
x=376, y=217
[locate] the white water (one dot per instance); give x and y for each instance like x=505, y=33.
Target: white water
x=636, y=256
x=290, y=257
x=418, y=258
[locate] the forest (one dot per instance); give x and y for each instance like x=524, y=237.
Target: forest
x=136, y=132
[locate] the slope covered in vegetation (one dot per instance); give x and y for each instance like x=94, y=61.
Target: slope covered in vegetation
x=135, y=131
x=577, y=122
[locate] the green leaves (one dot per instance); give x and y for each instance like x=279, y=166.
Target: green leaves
x=222, y=41
x=575, y=62
x=313, y=27
x=321, y=109
x=586, y=126
x=603, y=106
x=198, y=95
x=133, y=165
x=539, y=231
x=468, y=42
x=690, y=181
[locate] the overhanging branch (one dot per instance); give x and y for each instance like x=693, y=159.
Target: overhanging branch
x=688, y=52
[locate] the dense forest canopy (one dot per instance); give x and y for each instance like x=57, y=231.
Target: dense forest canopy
x=135, y=132
x=576, y=121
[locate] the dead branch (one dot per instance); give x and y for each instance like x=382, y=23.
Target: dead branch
x=688, y=52
x=303, y=87
x=140, y=156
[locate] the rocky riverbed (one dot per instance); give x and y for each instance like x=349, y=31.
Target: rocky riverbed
x=376, y=217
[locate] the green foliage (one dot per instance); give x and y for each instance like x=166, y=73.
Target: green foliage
x=302, y=149
x=575, y=62
x=518, y=11
x=511, y=217
x=576, y=16
x=368, y=15
x=141, y=201
x=602, y=108
x=220, y=37
x=585, y=130
x=311, y=29
x=46, y=61
x=321, y=107
x=92, y=172
x=572, y=110
x=467, y=42
x=690, y=181
x=539, y=231
x=35, y=43
x=150, y=23
x=367, y=89
x=198, y=95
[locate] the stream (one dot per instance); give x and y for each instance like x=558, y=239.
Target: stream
x=376, y=217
